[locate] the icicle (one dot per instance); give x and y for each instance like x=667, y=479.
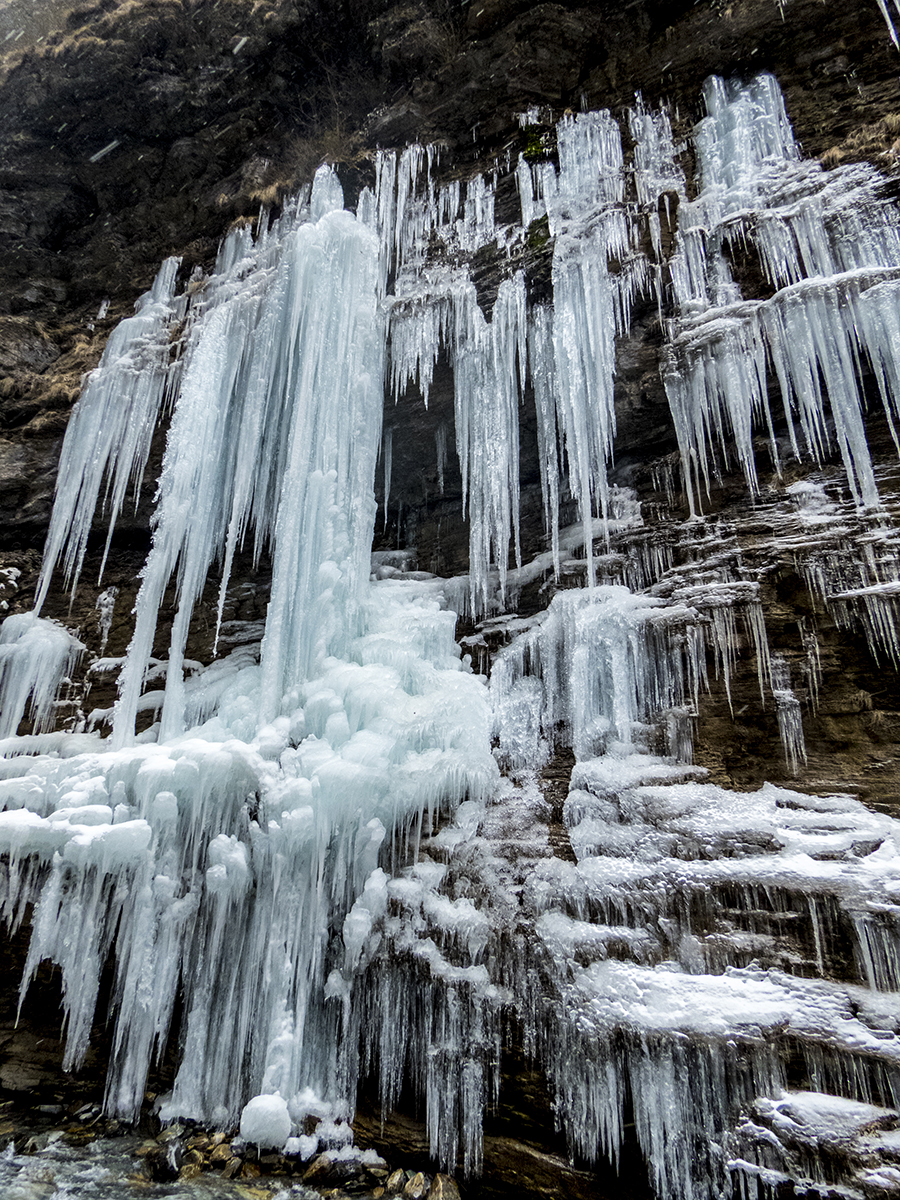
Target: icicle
x=526, y=191
x=105, y=606
x=440, y=447
x=111, y=428
x=543, y=376
x=790, y=719
x=490, y=370
x=885, y=12
x=388, y=451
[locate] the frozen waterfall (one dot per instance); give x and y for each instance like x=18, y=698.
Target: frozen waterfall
x=324, y=855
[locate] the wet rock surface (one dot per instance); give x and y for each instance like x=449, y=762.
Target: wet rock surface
x=72, y=1146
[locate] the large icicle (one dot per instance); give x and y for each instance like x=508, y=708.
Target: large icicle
x=490, y=373
x=282, y=385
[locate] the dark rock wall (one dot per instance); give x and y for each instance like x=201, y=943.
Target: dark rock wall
x=144, y=128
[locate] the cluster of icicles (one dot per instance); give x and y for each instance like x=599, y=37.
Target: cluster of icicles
x=264, y=856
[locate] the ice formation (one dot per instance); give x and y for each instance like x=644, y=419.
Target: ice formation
x=36, y=656
x=828, y=247
x=261, y=807
x=319, y=812
x=889, y=16
x=266, y=1122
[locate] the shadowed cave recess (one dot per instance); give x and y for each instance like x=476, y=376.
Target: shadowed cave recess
x=449, y=676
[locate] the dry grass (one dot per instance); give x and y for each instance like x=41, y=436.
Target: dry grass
x=302, y=156
x=878, y=143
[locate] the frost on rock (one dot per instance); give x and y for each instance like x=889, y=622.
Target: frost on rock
x=667, y=973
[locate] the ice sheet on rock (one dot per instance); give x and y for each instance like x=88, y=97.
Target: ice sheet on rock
x=275, y=826
x=251, y=833
x=620, y=997
x=213, y=836
x=648, y=941
x=812, y=1135
x=687, y=1093
x=588, y=675
x=821, y=1119
x=36, y=656
x=441, y=991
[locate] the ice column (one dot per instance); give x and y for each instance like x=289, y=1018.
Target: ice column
x=590, y=304
x=282, y=388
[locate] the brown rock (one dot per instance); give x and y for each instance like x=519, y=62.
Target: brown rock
x=163, y=1163
x=220, y=1153
x=416, y=1187
x=190, y=1171
x=443, y=1187
x=396, y=1181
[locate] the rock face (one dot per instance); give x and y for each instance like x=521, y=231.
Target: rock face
x=146, y=128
